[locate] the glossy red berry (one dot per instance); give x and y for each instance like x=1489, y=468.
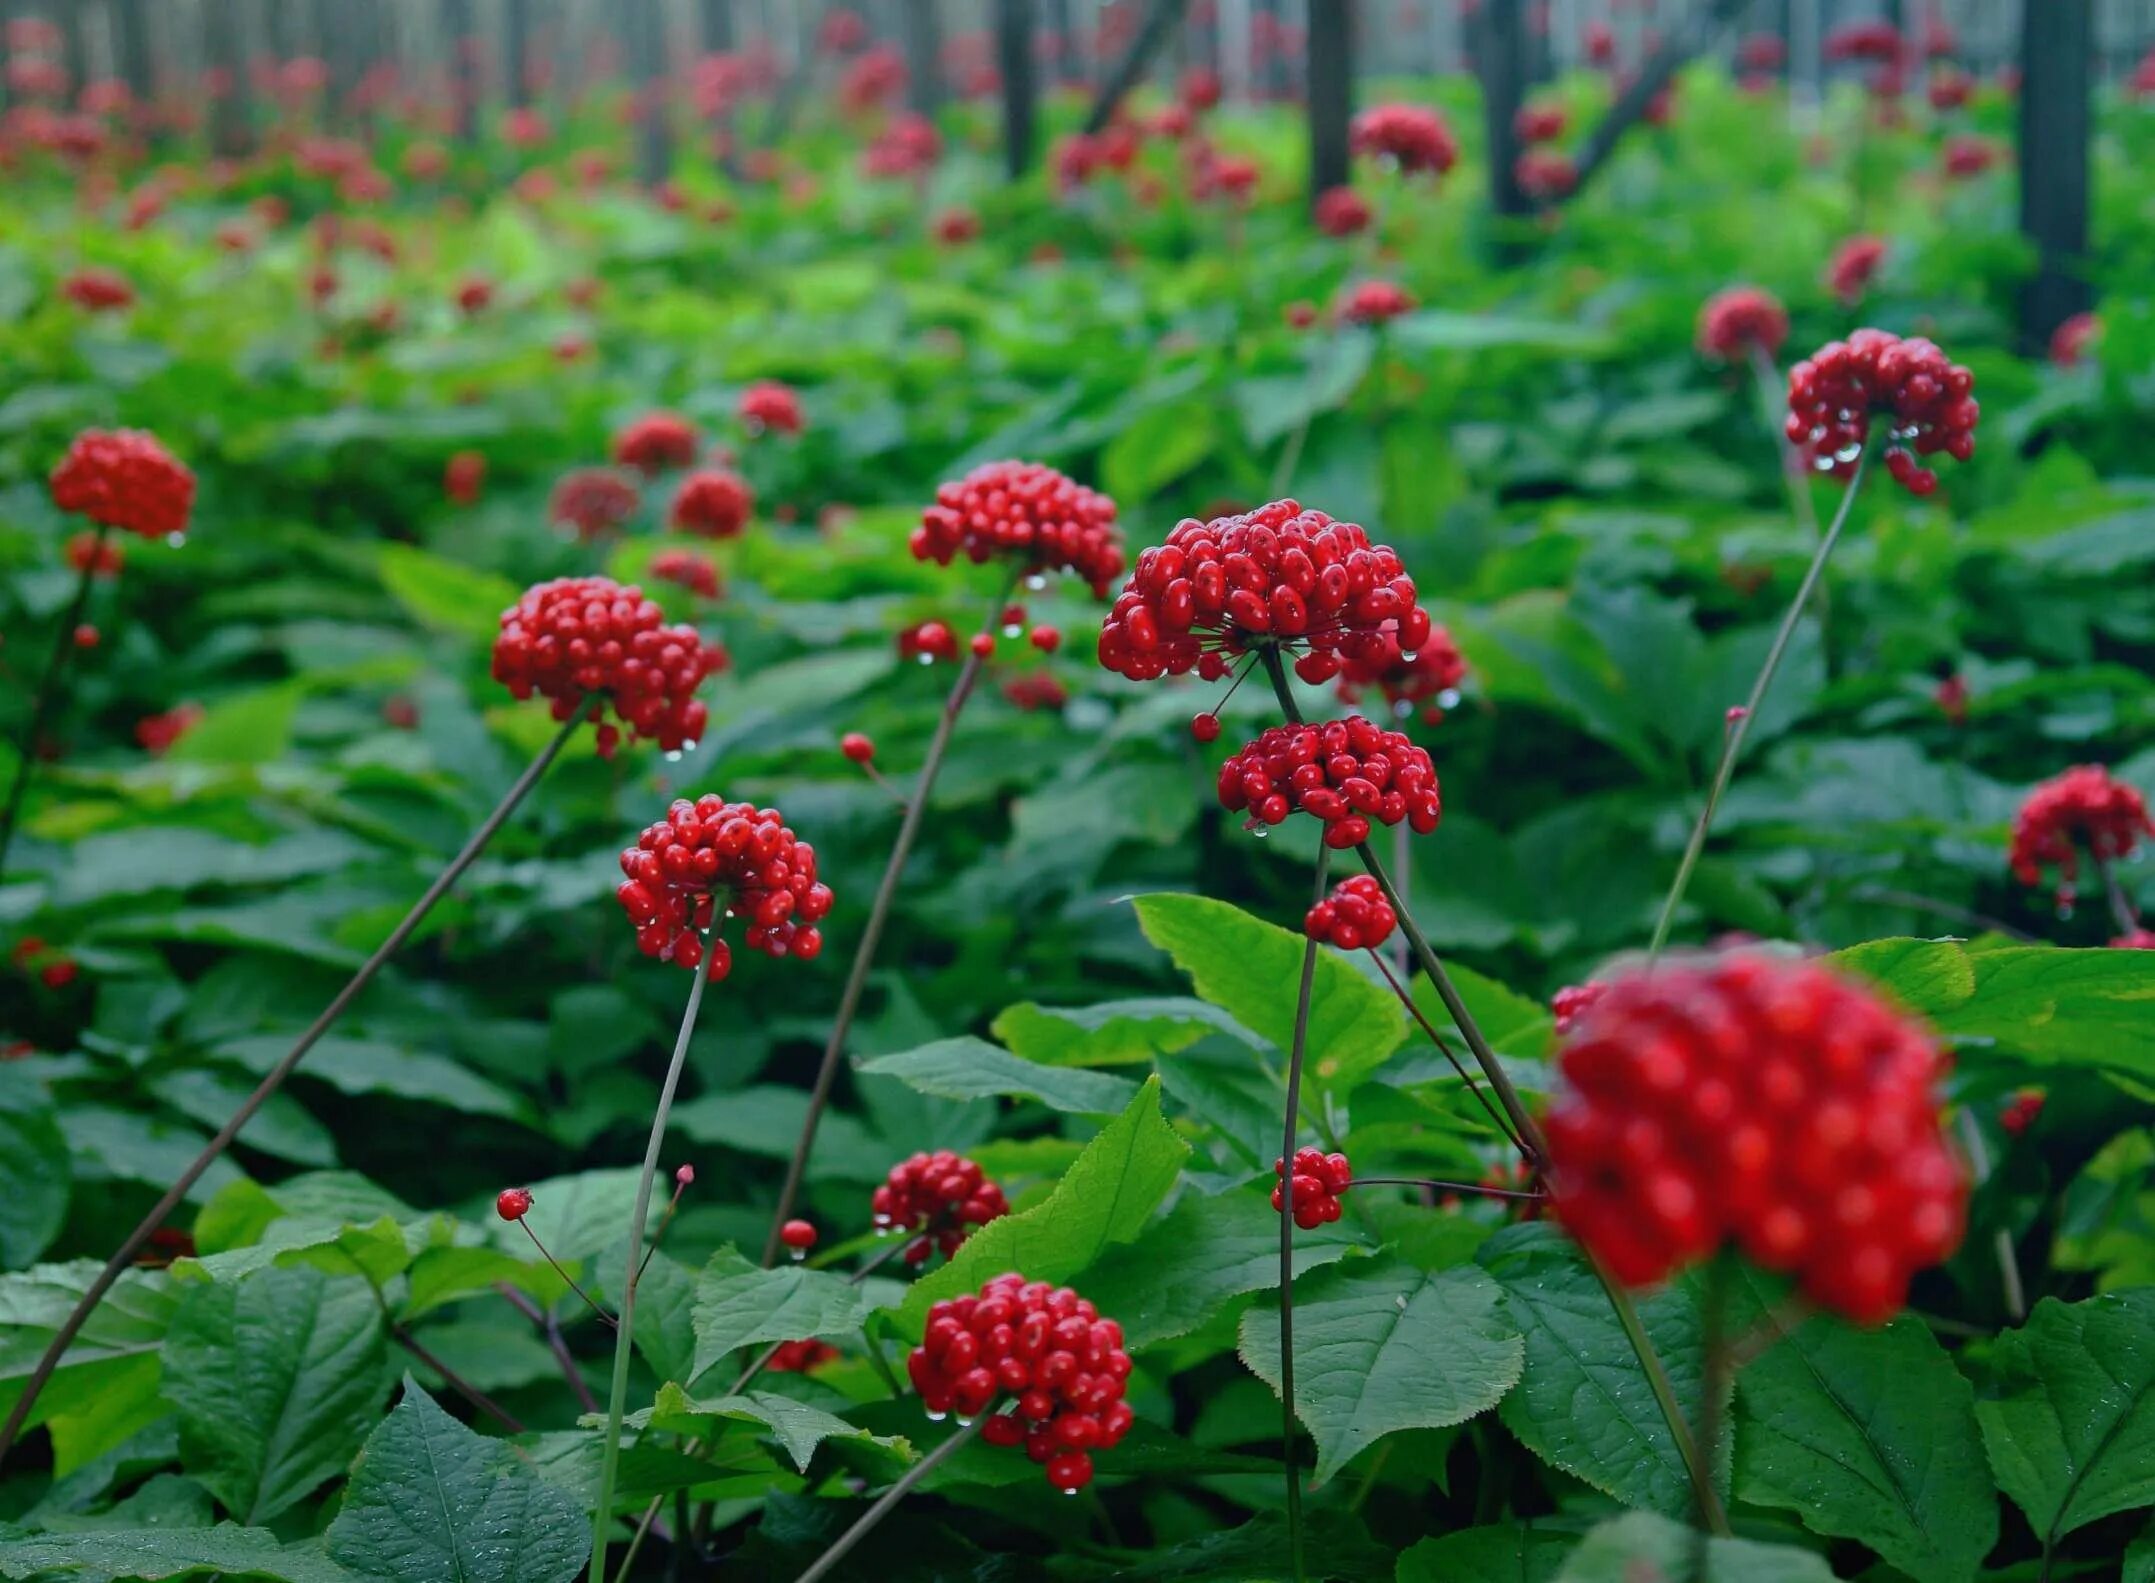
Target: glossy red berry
x=800, y=1357
x=1355, y=915
x=982, y=644
x=1924, y=402
x=938, y=1199
x=857, y=747
x=1350, y=774
x=514, y=1203
x=124, y=479
x=581, y=635
x=2086, y=807
x=1762, y=1101
x=711, y=858
x=1205, y=727
x=928, y=642
x=1027, y=514
x=1317, y=1179
x=1046, y=639
x=1426, y=680
x=659, y=442
x=799, y=1235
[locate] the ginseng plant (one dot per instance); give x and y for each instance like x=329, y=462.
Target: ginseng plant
x=588, y=645
x=1032, y=521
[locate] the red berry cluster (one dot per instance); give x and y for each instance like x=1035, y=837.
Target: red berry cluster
x=1319, y=1179
x=1354, y=915
x=1046, y=1346
x=687, y=569
x=1341, y=211
x=1032, y=514
x=87, y=552
x=2135, y=939
x=592, y=500
x=1769, y=1102
x=711, y=851
x=2085, y=806
x=98, y=290
x=713, y=504
x=124, y=479
x=1540, y=123
x=464, y=478
x=1968, y=155
x=768, y=405
x=1411, y=136
x=1427, y=678
x=940, y=1197
x=579, y=635
x=1572, y=1002
x=2071, y=340
x=1835, y=392
x=1377, y=302
x=1277, y=575
x=1545, y=174
x=659, y=442
x=799, y=1357
x=1345, y=772
x=1735, y=320
x=1853, y=265
x=2019, y=1112
x=928, y=642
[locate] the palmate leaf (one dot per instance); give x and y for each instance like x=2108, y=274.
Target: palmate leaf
x=155, y=1553
x=1643, y=1546
x=1381, y=1345
x=431, y=1500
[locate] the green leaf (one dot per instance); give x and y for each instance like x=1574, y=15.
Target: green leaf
x=36, y=1171
x=1870, y=1435
x=739, y=1305
x=126, y=1328
x=1106, y=1197
x=155, y=1553
x=1929, y=977
x=361, y=1066
x=1584, y=1405
x=1382, y=1346
x=276, y=1380
x=1500, y=1553
x=1202, y=1255
x=1438, y=329
x=1250, y=969
x=797, y=1426
x=248, y=728
x=441, y=594
x=970, y=1068
x=2082, y=1008
x=2069, y=1419
x=1644, y=1546
x=766, y=1120
x=429, y=1500
x=1157, y=448
x=1111, y=1033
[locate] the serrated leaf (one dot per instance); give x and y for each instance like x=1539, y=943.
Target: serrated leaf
x=1111, y=1033
x=36, y=1171
x=1250, y=969
x=276, y=1380
x=1870, y=1435
x=1106, y=1197
x=968, y=1068
x=766, y=1120
x=739, y=1305
x=154, y=1553
x=797, y=1426
x=126, y=1328
x=1645, y=1545
x=2069, y=1420
x=1584, y=1405
x=431, y=1500
x=1929, y=977
x=2080, y=1008
x=361, y=1066
x=1499, y=1553
x=1382, y=1346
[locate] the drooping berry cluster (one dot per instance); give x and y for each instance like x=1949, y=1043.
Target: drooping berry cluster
x=579, y=635
x=1047, y=1347
x=1345, y=772
x=124, y=479
x=801, y=1357
x=711, y=857
x=1354, y=915
x=1319, y=1179
x=98, y=290
x=1735, y=320
x=1376, y=302
x=1031, y=514
x=712, y=503
x=1572, y=1002
x=1277, y=575
x=658, y=442
x=1766, y=1102
x=2087, y=806
x=1836, y=392
x=938, y=1199
x=1411, y=136
x=1428, y=678
x=592, y=500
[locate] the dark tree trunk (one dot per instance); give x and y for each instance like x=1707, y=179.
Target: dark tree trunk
x=1499, y=46
x=646, y=24
x=1158, y=26
x=1064, y=59
x=2057, y=41
x=75, y=35
x=1014, y=60
x=226, y=54
x=1331, y=92
x=516, y=51
x=923, y=30
x=456, y=44
x=717, y=20
x=131, y=36
x=1659, y=71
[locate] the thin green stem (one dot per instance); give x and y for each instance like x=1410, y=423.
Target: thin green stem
x=1733, y=739
x=891, y=1497
x=624, y=1340
x=1440, y=1185
x=1287, y=1226
x=1720, y=1371
x=589, y=1301
x=1657, y=1378
x=1437, y=1039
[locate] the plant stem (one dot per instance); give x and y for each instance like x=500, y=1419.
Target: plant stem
x=1287, y=1227
x=1657, y=1377
x=890, y=1498
x=2015, y=1290
x=589, y=1301
x=2122, y=910
x=1732, y=743
x=124, y=1256
x=1719, y=1378
x=456, y=1382
x=618, y=1394
x=916, y=810
x=1437, y=1039
x=1439, y=1184
x=556, y=1343
x=47, y=695
x=1771, y=394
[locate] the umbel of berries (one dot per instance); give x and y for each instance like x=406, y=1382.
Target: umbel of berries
x=576, y=636
x=1347, y=773
x=122, y=478
x=1278, y=577
x=938, y=1199
x=1045, y=1348
x=1354, y=915
x=1924, y=401
x=1318, y=1180
x=1763, y=1102
x=711, y=858
x=1026, y=514
x=2085, y=809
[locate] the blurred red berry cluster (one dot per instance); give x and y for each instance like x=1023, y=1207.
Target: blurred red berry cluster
x=2085, y=807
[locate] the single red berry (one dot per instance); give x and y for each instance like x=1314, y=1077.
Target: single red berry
x=86, y=636
x=928, y=642
x=60, y=974
x=983, y=644
x=514, y=1203
x=464, y=478
x=1205, y=727
x=798, y=1235
x=1046, y=639
x=685, y=1176
x=857, y=747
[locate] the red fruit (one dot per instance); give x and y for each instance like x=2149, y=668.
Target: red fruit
x=686, y=569
x=124, y=479
x=769, y=406
x=2085, y=807
x=1318, y=1180
x=98, y=290
x=464, y=478
x=1347, y=773
x=593, y=500
x=1572, y=1001
x=656, y=443
x=1046, y=639
x=982, y=644
x=2020, y=1111
x=712, y=503
x=1205, y=727
x=1423, y=678
x=856, y=747
x=1735, y=320
x=710, y=859
x=939, y=1198
x=1925, y=401
x=84, y=553
x=929, y=641
x=580, y=635
x=798, y=1235
x=1409, y=136
x=1341, y=211
x=514, y=1203
x=1026, y=514
x=1376, y=302
x=798, y=1357
x=1355, y=915
x=86, y=636
x=685, y=1176
x=1853, y=266
x=60, y=974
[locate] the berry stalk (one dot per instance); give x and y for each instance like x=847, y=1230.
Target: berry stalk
x=2122, y=911
x=124, y=1256
x=1732, y=745
x=624, y=1339
x=1287, y=1227
x=1700, y=1470
x=1439, y=1185
x=878, y=915
x=890, y=1498
x=46, y=697
x=556, y=1343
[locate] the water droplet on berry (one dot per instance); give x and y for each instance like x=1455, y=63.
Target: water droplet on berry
x=175, y=539
x=1401, y=709
x=673, y=756
x=935, y=1417
x=1070, y=1493
x=1261, y=831
x=1848, y=453
x=1448, y=699
x=798, y=1254
x=964, y=1422
x=924, y=659
x=1036, y=582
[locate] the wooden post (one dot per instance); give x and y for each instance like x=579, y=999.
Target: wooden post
x=1331, y=92
x=923, y=30
x=1160, y=22
x=1014, y=61
x=716, y=17
x=1500, y=62
x=2056, y=41
x=1658, y=72
x=646, y=27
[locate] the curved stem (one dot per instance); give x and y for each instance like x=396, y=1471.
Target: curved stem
x=624, y=1339
x=48, y=693
x=1657, y=1378
x=211, y=1151
x=1732, y=744
x=2122, y=911
x=589, y=1301
x=891, y=1497
x=1439, y=1184
x=1437, y=1039
x=1287, y=1227
x=556, y=1343
x=1719, y=1378
x=456, y=1382
x=916, y=810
